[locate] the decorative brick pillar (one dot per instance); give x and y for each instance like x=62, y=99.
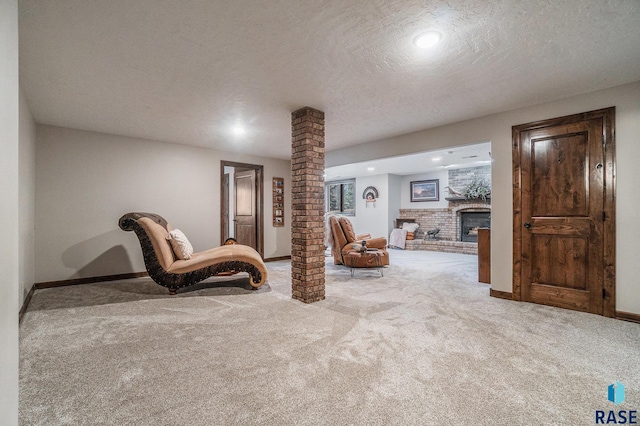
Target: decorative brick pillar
x=307, y=187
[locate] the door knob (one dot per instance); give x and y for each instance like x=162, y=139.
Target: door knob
x=527, y=225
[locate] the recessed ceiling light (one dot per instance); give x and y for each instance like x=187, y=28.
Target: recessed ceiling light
x=238, y=130
x=371, y=168
x=428, y=39
x=436, y=159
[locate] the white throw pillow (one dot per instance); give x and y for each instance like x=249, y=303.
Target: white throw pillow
x=181, y=245
x=410, y=227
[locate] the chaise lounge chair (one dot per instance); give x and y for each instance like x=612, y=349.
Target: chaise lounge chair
x=166, y=269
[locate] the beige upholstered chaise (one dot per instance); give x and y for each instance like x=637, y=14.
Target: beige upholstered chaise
x=169, y=271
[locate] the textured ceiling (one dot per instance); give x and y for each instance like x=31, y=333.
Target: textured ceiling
x=188, y=71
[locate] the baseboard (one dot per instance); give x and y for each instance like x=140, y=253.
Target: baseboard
x=501, y=294
x=89, y=280
x=628, y=316
x=275, y=259
x=25, y=304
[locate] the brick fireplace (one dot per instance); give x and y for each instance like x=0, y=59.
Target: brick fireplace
x=449, y=221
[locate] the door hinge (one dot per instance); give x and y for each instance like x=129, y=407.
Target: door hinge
x=604, y=293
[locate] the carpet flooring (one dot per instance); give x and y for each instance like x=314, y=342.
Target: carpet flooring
x=423, y=345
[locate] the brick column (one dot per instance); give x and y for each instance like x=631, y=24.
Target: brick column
x=307, y=187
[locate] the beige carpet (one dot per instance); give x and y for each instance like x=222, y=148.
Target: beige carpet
x=423, y=345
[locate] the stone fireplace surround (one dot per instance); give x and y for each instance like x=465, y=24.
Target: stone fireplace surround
x=448, y=220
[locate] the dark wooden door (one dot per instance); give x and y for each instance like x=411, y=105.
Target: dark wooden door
x=245, y=207
x=563, y=208
x=224, y=207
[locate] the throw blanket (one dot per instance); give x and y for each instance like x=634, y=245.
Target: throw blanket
x=398, y=238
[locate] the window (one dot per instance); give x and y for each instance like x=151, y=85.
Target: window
x=340, y=197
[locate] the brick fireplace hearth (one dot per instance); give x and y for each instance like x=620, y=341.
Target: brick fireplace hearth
x=448, y=221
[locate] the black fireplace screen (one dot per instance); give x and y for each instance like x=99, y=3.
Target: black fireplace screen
x=470, y=222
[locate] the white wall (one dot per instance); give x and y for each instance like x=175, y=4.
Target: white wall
x=372, y=220
x=86, y=181
x=9, y=183
x=395, y=203
x=497, y=129
x=27, y=163
x=405, y=192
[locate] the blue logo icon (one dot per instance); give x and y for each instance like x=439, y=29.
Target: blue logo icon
x=616, y=393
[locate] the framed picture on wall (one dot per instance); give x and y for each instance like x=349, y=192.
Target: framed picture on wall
x=425, y=190
x=278, y=201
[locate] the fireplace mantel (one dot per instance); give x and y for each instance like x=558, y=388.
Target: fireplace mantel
x=473, y=200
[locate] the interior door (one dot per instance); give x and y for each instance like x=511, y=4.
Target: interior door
x=224, y=207
x=245, y=207
x=560, y=224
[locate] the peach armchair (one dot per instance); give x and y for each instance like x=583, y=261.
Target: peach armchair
x=343, y=235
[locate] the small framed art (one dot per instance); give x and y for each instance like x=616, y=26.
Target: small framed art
x=278, y=201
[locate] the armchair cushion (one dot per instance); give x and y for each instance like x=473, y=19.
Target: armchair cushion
x=347, y=228
x=378, y=242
